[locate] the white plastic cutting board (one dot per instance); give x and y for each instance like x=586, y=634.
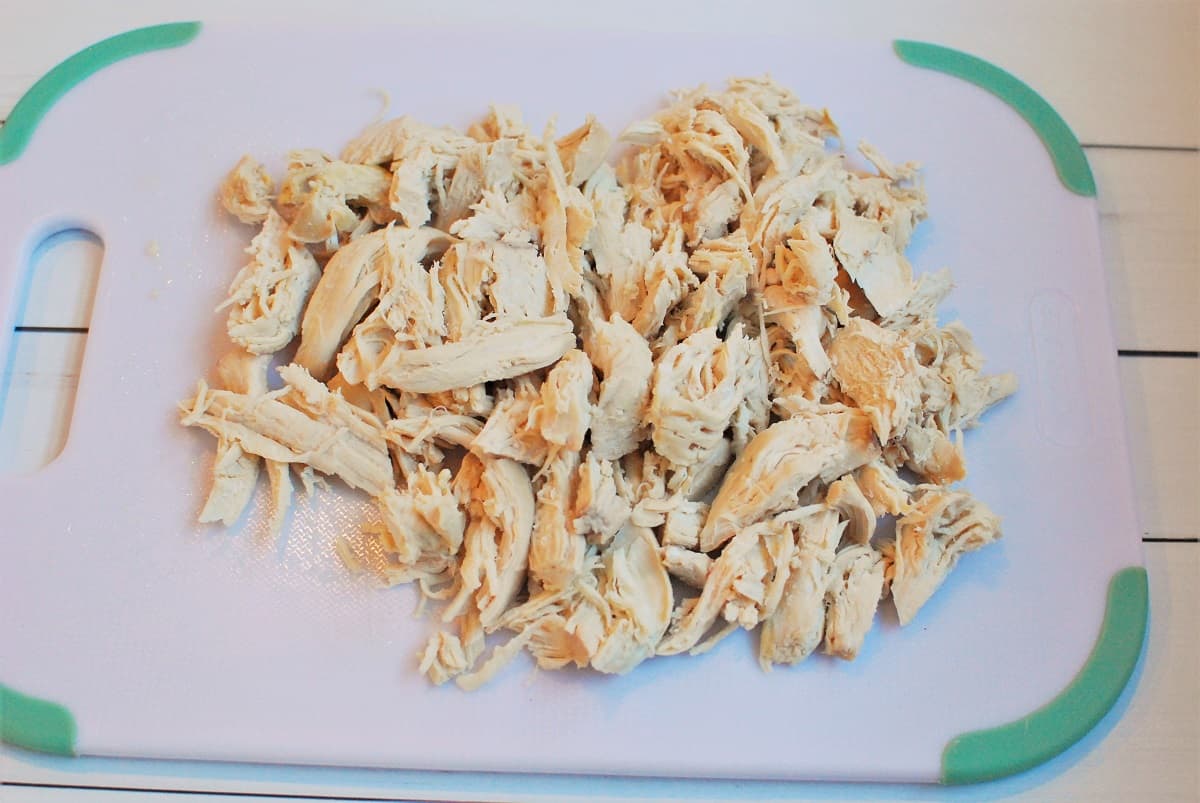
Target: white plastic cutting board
x=167, y=639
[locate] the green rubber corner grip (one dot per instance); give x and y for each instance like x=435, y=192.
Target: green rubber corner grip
x=23, y=121
x=1070, y=162
x=987, y=755
x=35, y=724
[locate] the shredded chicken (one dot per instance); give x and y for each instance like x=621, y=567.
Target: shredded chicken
x=235, y=471
x=930, y=538
x=608, y=412
x=246, y=191
x=269, y=294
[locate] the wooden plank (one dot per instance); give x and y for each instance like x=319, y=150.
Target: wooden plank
x=1150, y=235
x=1162, y=397
x=1118, y=71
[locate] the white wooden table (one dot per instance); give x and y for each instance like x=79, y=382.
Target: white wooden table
x=1124, y=73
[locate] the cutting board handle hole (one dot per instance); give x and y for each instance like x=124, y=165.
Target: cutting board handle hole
x=41, y=368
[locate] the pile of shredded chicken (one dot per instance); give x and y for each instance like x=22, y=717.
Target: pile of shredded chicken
x=610, y=413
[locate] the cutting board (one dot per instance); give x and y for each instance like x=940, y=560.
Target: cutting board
x=129, y=630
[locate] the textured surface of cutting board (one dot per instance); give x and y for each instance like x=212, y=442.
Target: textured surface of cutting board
x=168, y=639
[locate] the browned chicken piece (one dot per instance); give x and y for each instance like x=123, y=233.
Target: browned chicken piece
x=930, y=452
x=564, y=406
x=645, y=473
x=423, y=161
x=696, y=394
x=234, y=478
x=493, y=350
x=742, y=586
x=853, y=507
x=481, y=166
x=412, y=301
x=246, y=191
x=519, y=283
x=302, y=423
x=694, y=149
x=716, y=209
x=564, y=626
x=279, y=476
x=683, y=523
x=504, y=122
x=599, y=510
x=620, y=248
x=800, y=128
x=349, y=287
x=767, y=477
x=851, y=598
x=756, y=128
x=556, y=552
x=473, y=400
x=954, y=394
x=921, y=308
x=364, y=349
x=663, y=281
x=782, y=202
x=423, y=432
x=582, y=151
x=798, y=357
x=797, y=625
x=449, y=655
x=690, y=568
x=410, y=312
x=793, y=383
x=623, y=359
x=388, y=141
x=565, y=219
x=895, y=197
x=424, y=526
x=886, y=491
x=512, y=429
x=443, y=658
x=877, y=370
x=605, y=243
x=753, y=387
x=235, y=471
x=500, y=657
x=268, y=295
x=560, y=640
x=806, y=270
x=951, y=353
x=466, y=272
x=696, y=482
x=499, y=500
x=930, y=538
x=637, y=590
x=871, y=259
x=727, y=269
x=316, y=194
x=378, y=402
x=498, y=217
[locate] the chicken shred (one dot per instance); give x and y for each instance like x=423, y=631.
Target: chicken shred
x=268, y=295
x=608, y=412
x=246, y=191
